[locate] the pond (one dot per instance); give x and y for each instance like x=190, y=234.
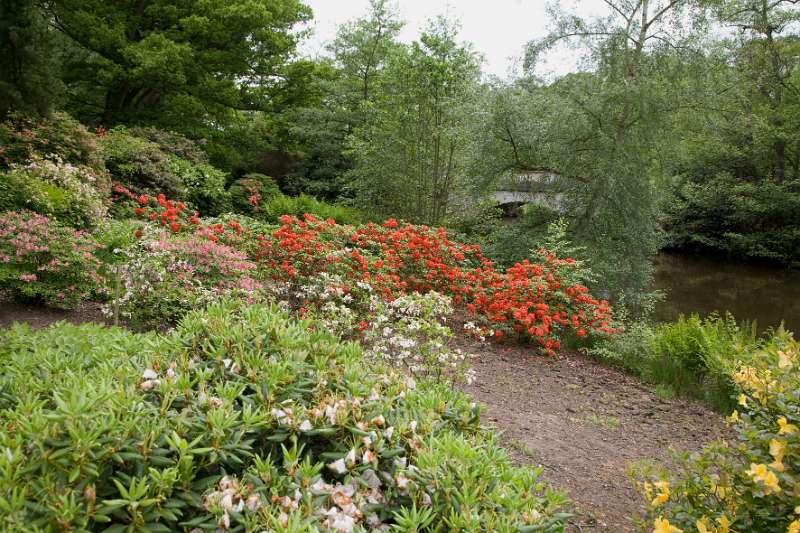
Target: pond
x=698, y=284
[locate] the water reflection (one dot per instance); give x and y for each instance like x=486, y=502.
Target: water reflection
x=751, y=292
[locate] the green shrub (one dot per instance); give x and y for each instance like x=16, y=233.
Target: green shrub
x=299, y=205
x=751, y=219
x=140, y=164
x=145, y=167
x=693, y=356
x=73, y=195
x=251, y=191
x=751, y=481
x=242, y=419
x=173, y=143
x=43, y=260
x=205, y=185
x=58, y=137
x=116, y=237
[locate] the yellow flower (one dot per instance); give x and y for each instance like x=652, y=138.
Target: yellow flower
x=760, y=473
x=777, y=449
x=734, y=416
x=785, y=427
x=724, y=524
x=702, y=525
x=663, y=493
x=717, y=490
x=784, y=360
x=794, y=527
x=743, y=400
x=648, y=490
x=662, y=525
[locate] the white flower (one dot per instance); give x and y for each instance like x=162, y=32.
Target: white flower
x=149, y=374
x=351, y=457
x=150, y=383
x=402, y=481
x=321, y=486
x=253, y=502
x=306, y=426
x=338, y=466
x=389, y=431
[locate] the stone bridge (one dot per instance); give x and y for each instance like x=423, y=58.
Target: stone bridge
x=539, y=187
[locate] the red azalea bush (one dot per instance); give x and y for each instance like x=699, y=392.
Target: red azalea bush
x=44, y=260
x=537, y=300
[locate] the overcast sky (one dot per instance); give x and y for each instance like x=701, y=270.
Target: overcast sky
x=498, y=29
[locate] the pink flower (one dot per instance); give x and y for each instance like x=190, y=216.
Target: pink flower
x=27, y=277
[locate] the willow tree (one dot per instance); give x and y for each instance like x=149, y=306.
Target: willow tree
x=410, y=154
x=608, y=122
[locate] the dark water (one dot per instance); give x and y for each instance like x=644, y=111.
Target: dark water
x=701, y=285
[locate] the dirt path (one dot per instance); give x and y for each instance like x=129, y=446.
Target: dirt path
x=585, y=423
x=38, y=317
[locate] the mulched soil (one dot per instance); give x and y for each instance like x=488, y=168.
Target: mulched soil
x=38, y=317
x=583, y=422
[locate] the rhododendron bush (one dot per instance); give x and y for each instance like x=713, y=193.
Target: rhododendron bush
x=243, y=420
x=43, y=260
x=538, y=300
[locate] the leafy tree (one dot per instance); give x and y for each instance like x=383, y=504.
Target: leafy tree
x=765, y=53
x=319, y=133
x=604, y=128
x=190, y=59
x=361, y=47
x=410, y=154
x=29, y=76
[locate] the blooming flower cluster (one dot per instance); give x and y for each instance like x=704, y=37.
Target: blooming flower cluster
x=44, y=260
x=165, y=276
x=537, y=300
x=752, y=483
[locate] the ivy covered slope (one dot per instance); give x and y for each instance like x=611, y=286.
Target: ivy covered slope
x=245, y=420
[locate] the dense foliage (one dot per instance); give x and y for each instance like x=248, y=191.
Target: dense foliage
x=692, y=356
x=740, y=218
x=243, y=419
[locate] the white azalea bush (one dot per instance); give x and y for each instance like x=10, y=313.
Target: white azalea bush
x=411, y=332
x=242, y=419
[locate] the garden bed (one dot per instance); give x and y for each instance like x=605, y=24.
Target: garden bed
x=584, y=422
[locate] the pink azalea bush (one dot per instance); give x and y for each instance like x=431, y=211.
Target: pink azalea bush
x=43, y=260
x=167, y=275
